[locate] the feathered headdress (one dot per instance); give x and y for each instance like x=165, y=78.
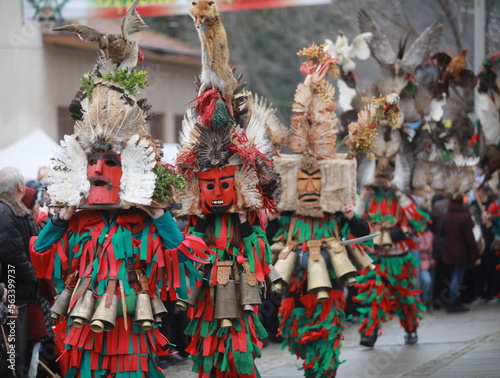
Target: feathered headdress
x=213, y=138
x=313, y=139
x=110, y=118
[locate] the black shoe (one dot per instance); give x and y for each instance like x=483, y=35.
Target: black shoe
x=411, y=337
x=454, y=307
x=369, y=341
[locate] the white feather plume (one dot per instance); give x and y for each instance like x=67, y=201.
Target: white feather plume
x=345, y=52
x=68, y=179
x=346, y=94
x=246, y=181
x=138, y=179
x=276, y=132
x=110, y=117
x=187, y=137
x=488, y=114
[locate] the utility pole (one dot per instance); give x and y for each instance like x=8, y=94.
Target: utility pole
x=479, y=38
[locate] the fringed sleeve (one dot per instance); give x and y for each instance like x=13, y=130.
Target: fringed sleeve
x=417, y=218
x=48, y=252
x=177, y=256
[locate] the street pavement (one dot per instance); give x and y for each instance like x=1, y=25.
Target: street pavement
x=462, y=345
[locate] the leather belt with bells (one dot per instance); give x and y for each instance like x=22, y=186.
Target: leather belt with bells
x=251, y=279
x=223, y=271
x=314, y=249
x=289, y=247
x=335, y=245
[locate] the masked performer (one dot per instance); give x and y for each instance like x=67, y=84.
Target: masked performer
x=317, y=217
x=392, y=287
x=231, y=178
x=121, y=254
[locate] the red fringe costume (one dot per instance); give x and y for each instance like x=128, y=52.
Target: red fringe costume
x=100, y=248
x=228, y=352
x=312, y=330
x=392, y=287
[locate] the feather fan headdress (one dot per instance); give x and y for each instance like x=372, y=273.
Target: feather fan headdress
x=213, y=138
x=110, y=118
x=313, y=139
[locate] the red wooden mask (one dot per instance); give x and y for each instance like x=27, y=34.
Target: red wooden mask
x=104, y=171
x=217, y=190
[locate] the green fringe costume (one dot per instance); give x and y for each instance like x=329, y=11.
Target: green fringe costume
x=312, y=329
x=101, y=249
x=228, y=352
x=392, y=286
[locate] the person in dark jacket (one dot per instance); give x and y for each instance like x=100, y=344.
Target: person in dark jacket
x=16, y=229
x=459, y=249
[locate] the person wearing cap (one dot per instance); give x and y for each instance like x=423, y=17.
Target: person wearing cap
x=16, y=229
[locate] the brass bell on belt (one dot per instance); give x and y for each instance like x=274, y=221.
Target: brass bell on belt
x=249, y=295
x=82, y=312
x=285, y=266
x=159, y=309
x=227, y=304
x=274, y=281
x=60, y=306
x=318, y=279
x=144, y=312
x=193, y=295
x=104, y=318
x=383, y=239
x=344, y=270
x=360, y=259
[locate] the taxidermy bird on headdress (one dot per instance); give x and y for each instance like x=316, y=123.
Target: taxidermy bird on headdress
x=111, y=125
x=452, y=71
x=118, y=49
x=400, y=66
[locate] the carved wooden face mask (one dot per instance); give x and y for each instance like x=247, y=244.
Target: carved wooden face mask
x=104, y=171
x=309, y=187
x=217, y=190
x=387, y=146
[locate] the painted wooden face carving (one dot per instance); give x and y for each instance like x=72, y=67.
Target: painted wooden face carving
x=104, y=171
x=217, y=190
x=309, y=187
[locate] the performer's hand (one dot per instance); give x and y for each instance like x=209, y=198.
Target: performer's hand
x=153, y=213
x=67, y=212
x=349, y=210
x=243, y=217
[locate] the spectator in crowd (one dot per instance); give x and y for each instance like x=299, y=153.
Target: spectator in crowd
x=16, y=229
x=427, y=265
x=459, y=249
x=38, y=332
x=439, y=207
x=486, y=277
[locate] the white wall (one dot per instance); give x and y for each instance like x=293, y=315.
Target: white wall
x=36, y=79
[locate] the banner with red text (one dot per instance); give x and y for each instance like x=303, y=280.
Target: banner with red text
x=83, y=9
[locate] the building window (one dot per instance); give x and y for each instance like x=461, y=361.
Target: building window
x=178, y=127
x=65, y=124
x=157, y=126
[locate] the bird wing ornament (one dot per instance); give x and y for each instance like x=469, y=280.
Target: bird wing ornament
x=380, y=46
x=345, y=52
x=121, y=50
x=403, y=62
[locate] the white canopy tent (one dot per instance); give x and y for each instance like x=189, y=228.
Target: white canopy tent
x=29, y=153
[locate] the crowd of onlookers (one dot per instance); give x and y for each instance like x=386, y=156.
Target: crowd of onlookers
x=458, y=265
